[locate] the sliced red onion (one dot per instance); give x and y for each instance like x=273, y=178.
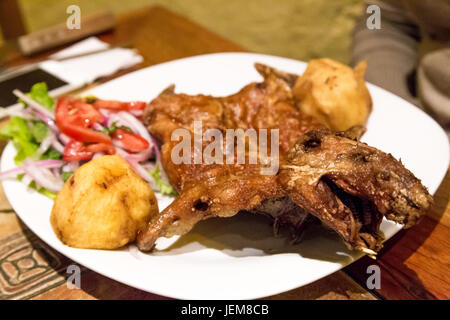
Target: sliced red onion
x=33, y=104
x=71, y=166
x=135, y=125
x=122, y=152
x=105, y=112
x=114, y=118
x=56, y=173
x=24, y=115
x=17, y=110
x=148, y=166
x=142, y=156
x=49, y=164
x=117, y=143
x=143, y=173
x=155, y=148
x=35, y=167
x=106, y=115
x=97, y=155
x=139, y=157
x=65, y=139
x=12, y=173
x=137, y=113
x=42, y=176
x=136, y=157
x=45, y=144
x=97, y=126
x=57, y=146
x=162, y=173
x=35, y=114
x=50, y=123
x=5, y=112
x=21, y=114
x=27, y=180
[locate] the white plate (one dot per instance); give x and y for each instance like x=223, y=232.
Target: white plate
x=237, y=258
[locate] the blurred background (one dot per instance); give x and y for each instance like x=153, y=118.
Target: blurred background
x=300, y=29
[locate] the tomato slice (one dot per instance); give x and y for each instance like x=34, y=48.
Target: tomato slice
x=85, y=134
x=76, y=112
x=101, y=147
x=84, y=114
x=74, y=117
x=76, y=151
x=131, y=141
x=119, y=105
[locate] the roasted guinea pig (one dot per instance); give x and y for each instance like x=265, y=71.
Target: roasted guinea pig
x=323, y=175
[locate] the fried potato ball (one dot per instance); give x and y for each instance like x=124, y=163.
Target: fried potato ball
x=102, y=205
x=334, y=93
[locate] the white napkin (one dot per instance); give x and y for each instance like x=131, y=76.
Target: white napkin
x=86, y=69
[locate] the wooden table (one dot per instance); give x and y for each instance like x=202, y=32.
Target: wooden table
x=414, y=264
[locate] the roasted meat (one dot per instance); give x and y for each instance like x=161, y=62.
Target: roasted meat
x=331, y=176
x=350, y=186
x=221, y=190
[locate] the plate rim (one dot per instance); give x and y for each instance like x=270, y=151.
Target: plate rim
x=165, y=294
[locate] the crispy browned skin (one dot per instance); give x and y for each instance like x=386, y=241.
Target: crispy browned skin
x=223, y=190
x=342, y=200
x=350, y=186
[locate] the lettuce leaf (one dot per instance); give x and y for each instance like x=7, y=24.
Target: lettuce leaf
x=17, y=131
x=26, y=139
x=38, y=130
x=45, y=192
x=51, y=154
x=113, y=127
x=66, y=175
x=41, y=190
x=17, y=127
x=164, y=187
x=39, y=93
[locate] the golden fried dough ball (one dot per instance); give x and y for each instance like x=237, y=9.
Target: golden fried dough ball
x=102, y=205
x=334, y=93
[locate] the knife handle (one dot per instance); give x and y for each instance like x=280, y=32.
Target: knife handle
x=59, y=34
